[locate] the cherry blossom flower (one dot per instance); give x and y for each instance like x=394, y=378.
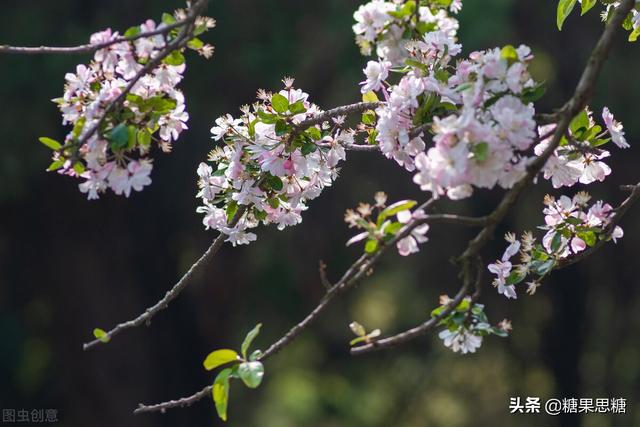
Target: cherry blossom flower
x=615, y=129
x=376, y=73
x=461, y=340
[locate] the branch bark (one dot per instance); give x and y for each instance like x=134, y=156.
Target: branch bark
x=87, y=48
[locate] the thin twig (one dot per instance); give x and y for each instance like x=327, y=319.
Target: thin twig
x=344, y=110
x=427, y=326
x=178, y=403
x=619, y=212
x=90, y=47
x=145, y=318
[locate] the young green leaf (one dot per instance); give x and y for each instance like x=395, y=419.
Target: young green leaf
x=251, y=373
x=393, y=209
x=218, y=358
x=371, y=246
x=119, y=137
x=480, y=151
x=370, y=97
x=51, y=143
x=220, y=393
x=357, y=329
x=564, y=10
x=174, y=58
x=279, y=103
x=101, y=335
x=509, y=53
x=249, y=339
x=587, y=5
x=55, y=165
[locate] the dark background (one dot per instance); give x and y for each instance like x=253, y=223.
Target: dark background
x=68, y=265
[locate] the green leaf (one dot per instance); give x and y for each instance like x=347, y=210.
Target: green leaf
x=589, y=237
x=168, y=19
x=78, y=168
x=249, y=339
x=118, y=137
x=480, y=151
x=587, y=5
x=174, y=58
x=499, y=332
x=393, y=228
x=195, y=43
x=281, y=127
x=51, y=143
x=581, y=121
x=371, y=246
x=514, y=278
x=101, y=335
x=144, y=137
x=369, y=117
x=279, y=103
x=509, y=53
x=218, y=358
x=132, y=31
x=544, y=267
x=297, y=107
x=635, y=34
x=251, y=373
x=267, y=118
x=308, y=148
x=393, y=209
x=564, y=10
x=314, y=133
x=556, y=242
x=56, y=165
x=133, y=136
x=232, y=208
x=257, y=354
x=533, y=94
x=370, y=97
x=275, y=183
x=220, y=393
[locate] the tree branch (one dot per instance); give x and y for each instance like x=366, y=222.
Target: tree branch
x=354, y=274
x=145, y=318
x=427, y=326
x=88, y=48
x=578, y=101
x=344, y=110
x=619, y=212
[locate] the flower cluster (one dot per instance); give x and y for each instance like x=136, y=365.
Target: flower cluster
x=481, y=110
x=571, y=226
x=108, y=147
x=271, y=163
x=578, y=157
x=385, y=227
x=466, y=325
x=386, y=25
